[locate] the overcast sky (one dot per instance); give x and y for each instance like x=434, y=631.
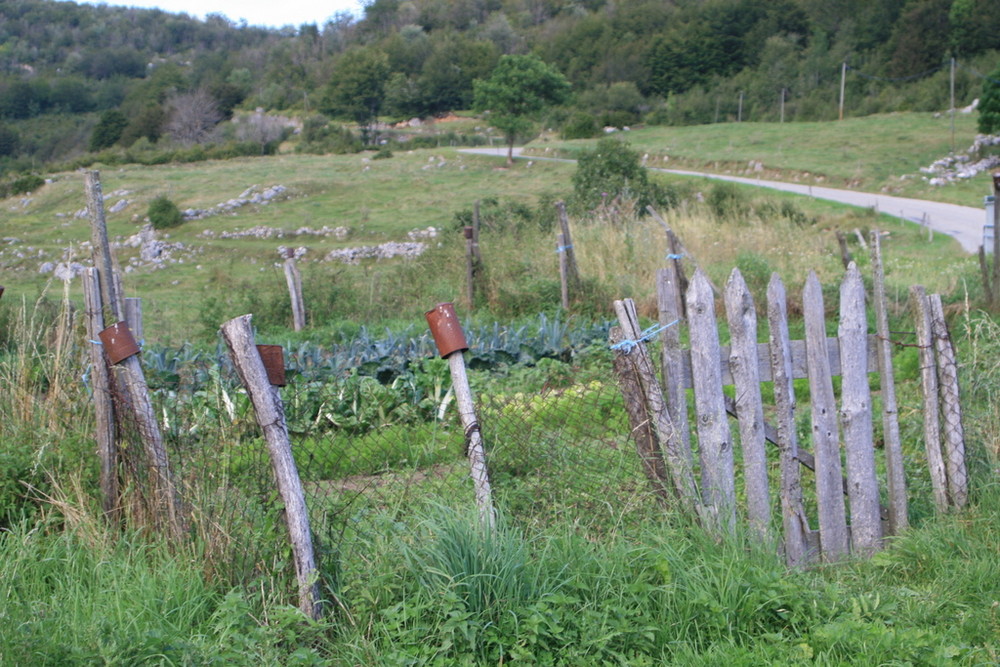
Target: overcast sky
x=269, y=13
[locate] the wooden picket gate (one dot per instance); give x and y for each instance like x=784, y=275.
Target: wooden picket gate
x=842, y=437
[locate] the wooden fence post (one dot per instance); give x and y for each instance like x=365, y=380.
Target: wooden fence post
x=795, y=525
x=133, y=316
x=744, y=365
x=670, y=300
x=995, y=290
x=856, y=416
x=929, y=389
x=647, y=445
x=563, y=269
x=104, y=408
x=293, y=277
x=899, y=519
x=451, y=344
x=678, y=459
x=100, y=247
x=715, y=446
x=129, y=370
x=951, y=409
x=826, y=443
x=572, y=272
x=270, y=414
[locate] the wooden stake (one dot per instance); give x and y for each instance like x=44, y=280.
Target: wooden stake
x=951, y=408
x=473, y=439
x=929, y=389
x=743, y=362
x=679, y=460
x=100, y=247
x=294, y=280
x=572, y=272
x=270, y=413
x=133, y=317
x=895, y=475
x=107, y=450
x=795, y=525
x=646, y=443
x=826, y=441
x=856, y=417
x=563, y=270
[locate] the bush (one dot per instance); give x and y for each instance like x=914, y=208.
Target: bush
x=163, y=213
x=581, y=125
x=613, y=170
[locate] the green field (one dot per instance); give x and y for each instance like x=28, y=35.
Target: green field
x=585, y=567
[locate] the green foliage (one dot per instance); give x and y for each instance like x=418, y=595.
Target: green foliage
x=356, y=88
x=21, y=185
x=108, y=130
x=164, y=213
x=580, y=125
x=518, y=88
x=989, y=105
x=612, y=170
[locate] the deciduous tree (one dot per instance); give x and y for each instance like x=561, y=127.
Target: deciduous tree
x=518, y=88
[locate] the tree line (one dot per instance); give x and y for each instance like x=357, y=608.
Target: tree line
x=80, y=77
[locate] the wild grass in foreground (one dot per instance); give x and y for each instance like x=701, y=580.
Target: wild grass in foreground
x=440, y=591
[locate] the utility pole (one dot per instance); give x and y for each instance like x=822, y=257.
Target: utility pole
x=952, y=106
x=843, y=79
x=783, y=104
x=739, y=113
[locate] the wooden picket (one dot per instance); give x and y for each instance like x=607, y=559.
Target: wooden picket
x=844, y=459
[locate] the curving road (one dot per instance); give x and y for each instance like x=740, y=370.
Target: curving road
x=964, y=223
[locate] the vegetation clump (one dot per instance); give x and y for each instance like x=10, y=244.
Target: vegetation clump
x=611, y=171
x=163, y=213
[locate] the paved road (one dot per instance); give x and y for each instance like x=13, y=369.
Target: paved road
x=964, y=223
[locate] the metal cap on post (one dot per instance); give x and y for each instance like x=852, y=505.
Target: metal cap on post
x=118, y=342
x=446, y=329
x=273, y=357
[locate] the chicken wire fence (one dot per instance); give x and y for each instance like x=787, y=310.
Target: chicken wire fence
x=371, y=460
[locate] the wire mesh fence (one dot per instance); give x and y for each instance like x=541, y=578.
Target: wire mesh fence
x=372, y=454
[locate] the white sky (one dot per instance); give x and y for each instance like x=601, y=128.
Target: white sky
x=268, y=13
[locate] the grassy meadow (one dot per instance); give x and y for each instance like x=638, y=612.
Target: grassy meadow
x=583, y=569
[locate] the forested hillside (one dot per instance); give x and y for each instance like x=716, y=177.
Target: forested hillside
x=78, y=79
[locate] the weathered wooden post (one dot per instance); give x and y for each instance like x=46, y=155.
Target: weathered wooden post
x=450, y=340
x=293, y=277
x=470, y=266
x=794, y=523
x=995, y=291
x=270, y=413
x=856, y=416
x=744, y=365
x=572, y=272
x=104, y=408
x=678, y=459
x=895, y=476
x=825, y=432
x=929, y=389
x=563, y=270
x=122, y=351
x=647, y=445
x=715, y=445
x=951, y=408
x=133, y=316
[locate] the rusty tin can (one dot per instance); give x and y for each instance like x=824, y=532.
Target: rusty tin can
x=446, y=329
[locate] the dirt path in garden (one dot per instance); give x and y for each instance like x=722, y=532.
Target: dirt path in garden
x=963, y=223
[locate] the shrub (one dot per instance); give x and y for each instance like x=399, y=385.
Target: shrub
x=163, y=213
x=581, y=125
x=613, y=170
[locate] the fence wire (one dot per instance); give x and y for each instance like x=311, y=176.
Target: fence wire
x=369, y=465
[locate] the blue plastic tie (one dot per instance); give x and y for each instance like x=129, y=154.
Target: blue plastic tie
x=675, y=256
x=564, y=248
x=96, y=342
x=628, y=345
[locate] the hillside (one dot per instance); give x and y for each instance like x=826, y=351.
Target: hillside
x=77, y=80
